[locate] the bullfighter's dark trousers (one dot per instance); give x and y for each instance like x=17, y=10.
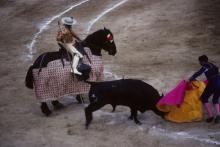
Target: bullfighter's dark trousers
x=212, y=88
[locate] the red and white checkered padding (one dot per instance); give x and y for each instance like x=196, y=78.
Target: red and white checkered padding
x=56, y=81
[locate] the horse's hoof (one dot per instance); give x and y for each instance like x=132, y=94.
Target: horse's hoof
x=79, y=99
x=45, y=110
x=48, y=113
x=57, y=105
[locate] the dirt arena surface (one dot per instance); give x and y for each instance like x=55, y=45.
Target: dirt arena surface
x=158, y=41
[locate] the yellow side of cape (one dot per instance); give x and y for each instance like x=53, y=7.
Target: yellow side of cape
x=191, y=108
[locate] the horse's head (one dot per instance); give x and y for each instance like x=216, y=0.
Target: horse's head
x=108, y=42
x=101, y=39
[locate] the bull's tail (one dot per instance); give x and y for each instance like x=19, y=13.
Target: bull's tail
x=29, y=80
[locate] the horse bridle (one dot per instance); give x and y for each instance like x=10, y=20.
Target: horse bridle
x=87, y=44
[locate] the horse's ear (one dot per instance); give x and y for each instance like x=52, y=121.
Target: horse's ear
x=105, y=28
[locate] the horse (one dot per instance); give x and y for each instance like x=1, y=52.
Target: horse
x=54, y=67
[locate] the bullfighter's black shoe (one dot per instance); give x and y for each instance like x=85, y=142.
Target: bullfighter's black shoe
x=210, y=119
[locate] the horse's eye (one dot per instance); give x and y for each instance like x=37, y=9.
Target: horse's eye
x=110, y=38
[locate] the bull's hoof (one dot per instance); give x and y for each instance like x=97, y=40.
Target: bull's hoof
x=57, y=105
x=87, y=126
x=130, y=118
x=88, y=118
x=113, y=108
x=138, y=122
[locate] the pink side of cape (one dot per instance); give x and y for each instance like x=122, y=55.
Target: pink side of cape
x=175, y=96
x=206, y=82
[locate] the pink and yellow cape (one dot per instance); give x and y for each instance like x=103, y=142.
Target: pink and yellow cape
x=183, y=102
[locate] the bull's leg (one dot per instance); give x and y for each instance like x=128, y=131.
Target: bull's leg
x=91, y=108
x=79, y=99
x=131, y=117
x=57, y=105
x=134, y=116
x=113, y=107
x=45, y=109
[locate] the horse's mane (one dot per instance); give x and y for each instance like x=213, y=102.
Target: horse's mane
x=98, y=36
x=95, y=37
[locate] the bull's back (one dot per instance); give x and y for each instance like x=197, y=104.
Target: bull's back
x=146, y=92
x=142, y=87
x=127, y=92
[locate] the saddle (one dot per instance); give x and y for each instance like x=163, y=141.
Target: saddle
x=62, y=54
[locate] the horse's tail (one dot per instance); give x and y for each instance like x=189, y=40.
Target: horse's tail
x=29, y=78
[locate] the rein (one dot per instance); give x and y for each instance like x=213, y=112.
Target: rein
x=41, y=62
x=88, y=44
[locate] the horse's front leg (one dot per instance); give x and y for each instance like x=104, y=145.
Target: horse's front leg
x=57, y=105
x=79, y=99
x=45, y=109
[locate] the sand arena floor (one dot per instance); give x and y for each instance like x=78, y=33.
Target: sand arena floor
x=158, y=41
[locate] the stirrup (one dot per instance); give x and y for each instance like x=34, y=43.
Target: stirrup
x=75, y=71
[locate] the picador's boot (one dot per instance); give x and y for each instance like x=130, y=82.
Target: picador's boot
x=75, y=64
x=217, y=110
x=209, y=111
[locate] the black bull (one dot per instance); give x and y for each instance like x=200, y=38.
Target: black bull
x=136, y=94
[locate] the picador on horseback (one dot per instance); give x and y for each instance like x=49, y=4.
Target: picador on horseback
x=66, y=37
x=51, y=73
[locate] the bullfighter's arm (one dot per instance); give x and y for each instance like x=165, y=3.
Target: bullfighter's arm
x=198, y=73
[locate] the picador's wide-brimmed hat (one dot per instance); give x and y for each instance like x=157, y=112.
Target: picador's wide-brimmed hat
x=68, y=21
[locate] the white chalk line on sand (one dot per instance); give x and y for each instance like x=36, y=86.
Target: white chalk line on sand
x=183, y=135
x=92, y=22
x=111, y=75
x=44, y=26
x=162, y=132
